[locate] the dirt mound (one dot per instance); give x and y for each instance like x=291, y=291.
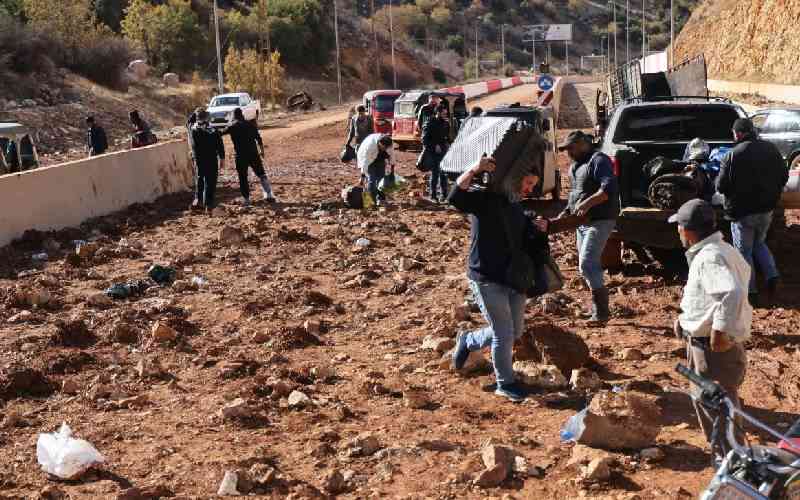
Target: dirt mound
x=68, y=363
x=549, y=344
x=72, y=333
x=753, y=40
x=18, y=381
x=292, y=338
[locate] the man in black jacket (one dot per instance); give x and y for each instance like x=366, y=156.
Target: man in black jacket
x=249, y=150
x=427, y=111
x=436, y=140
x=96, y=140
x=208, y=151
x=752, y=177
x=360, y=128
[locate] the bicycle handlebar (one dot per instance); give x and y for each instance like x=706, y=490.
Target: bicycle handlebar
x=709, y=387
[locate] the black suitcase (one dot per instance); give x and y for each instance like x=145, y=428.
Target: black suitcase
x=510, y=141
x=353, y=197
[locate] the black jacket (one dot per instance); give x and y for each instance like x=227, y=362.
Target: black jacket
x=752, y=177
x=246, y=139
x=207, y=145
x=436, y=132
x=96, y=140
x=489, y=253
x=424, y=115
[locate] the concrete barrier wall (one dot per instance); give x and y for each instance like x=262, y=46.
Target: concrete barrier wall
x=774, y=92
x=66, y=195
x=473, y=90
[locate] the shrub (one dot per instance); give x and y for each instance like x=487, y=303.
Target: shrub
x=249, y=70
x=102, y=61
x=439, y=75
x=22, y=50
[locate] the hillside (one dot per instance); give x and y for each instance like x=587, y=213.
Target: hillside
x=753, y=40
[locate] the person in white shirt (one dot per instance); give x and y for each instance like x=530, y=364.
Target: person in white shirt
x=373, y=156
x=715, y=314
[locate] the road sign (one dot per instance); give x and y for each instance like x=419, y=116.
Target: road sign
x=545, y=83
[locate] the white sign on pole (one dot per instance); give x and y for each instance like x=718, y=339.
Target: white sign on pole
x=550, y=32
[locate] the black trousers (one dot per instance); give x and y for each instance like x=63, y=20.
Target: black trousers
x=206, y=185
x=242, y=166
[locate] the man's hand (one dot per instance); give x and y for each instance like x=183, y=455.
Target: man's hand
x=582, y=209
x=720, y=341
x=486, y=164
x=541, y=224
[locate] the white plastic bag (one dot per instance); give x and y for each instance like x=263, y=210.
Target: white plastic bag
x=574, y=427
x=65, y=457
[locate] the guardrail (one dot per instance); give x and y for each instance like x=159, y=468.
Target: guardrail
x=65, y=195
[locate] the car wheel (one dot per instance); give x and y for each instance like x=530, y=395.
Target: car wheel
x=795, y=163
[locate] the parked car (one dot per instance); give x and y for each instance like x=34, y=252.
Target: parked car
x=17, y=148
x=221, y=108
x=405, y=132
x=380, y=106
x=781, y=126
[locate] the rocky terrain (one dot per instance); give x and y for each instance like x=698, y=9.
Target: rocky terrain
x=301, y=352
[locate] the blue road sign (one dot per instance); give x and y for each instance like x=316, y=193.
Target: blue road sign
x=545, y=83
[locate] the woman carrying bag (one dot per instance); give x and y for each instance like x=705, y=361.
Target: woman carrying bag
x=506, y=250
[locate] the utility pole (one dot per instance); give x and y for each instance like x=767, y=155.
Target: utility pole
x=391, y=36
x=566, y=48
x=336, y=32
x=220, y=79
x=477, y=57
x=671, y=33
x=644, y=29
x=503, y=45
x=375, y=37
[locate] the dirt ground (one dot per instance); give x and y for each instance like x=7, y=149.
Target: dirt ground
x=295, y=304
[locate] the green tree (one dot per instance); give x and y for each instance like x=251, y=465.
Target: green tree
x=255, y=72
x=72, y=22
x=169, y=33
x=456, y=43
x=12, y=7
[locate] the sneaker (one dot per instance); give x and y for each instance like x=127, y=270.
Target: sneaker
x=514, y=392
x=460, y=352
x=271, y=199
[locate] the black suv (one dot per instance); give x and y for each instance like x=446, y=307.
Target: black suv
x=781, y=126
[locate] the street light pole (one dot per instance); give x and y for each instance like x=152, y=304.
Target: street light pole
x=627, y=30
x=391, y=36
x=644, y=29
x=503, y=45
x=615, y=30
x=336, y=32
x=220, y=80
x=477, y=61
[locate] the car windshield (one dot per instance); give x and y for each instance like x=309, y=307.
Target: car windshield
x=385, y=103
x=676, y=123
x=404, y=108
x=226, y=101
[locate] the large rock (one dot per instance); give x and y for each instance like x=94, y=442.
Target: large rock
x=438, y=344
x=299, y=400
x=584, y=379
x=499, y=462
x=231, y=235
x=163, y=333
x=476, y=362
x=598, y=470
x=623, y=420
x=548, y=344
x=138, y=69
x=171, y=79
x=536, y=375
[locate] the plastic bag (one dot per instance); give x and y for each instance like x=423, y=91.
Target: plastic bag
x=128, y=289
x=353, y=196
x=366, y=200
x=697, y=150
x=348, y=154
x=574, y=427
x=65, y=457
x=392, y=183
x=161, y=274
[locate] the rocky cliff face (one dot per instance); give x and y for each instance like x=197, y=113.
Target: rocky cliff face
x=746, y=40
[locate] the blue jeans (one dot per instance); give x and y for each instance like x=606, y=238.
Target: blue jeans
x=438, y=178
x=375, y=173
x=592, y=240
x=749, y=236
x=504, y=310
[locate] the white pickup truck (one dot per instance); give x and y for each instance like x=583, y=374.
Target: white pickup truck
x=221, y=108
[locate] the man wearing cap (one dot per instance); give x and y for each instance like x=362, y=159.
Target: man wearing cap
x=752, y=177
x=594, y=196
x=715, y=314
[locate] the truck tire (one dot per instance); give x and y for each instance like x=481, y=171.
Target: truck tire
x=555, y=194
